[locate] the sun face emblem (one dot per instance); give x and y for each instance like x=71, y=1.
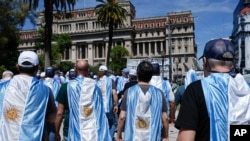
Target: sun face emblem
x=103, y=91
x=12, y=114
x=87, y=111
x=142, y=123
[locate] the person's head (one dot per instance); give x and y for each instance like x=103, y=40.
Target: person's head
x=42, y=75
x=218, y=56
x=7, y=74
x=144, y=71
x=82, y=67
x=49, y=72
x=125, y=72
x=28, y=63
x=156, y=69
x=132, y=74
x=72, y=74
x=102, y=71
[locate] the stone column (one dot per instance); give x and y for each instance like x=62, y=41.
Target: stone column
x=90, y=52
x=73, y=53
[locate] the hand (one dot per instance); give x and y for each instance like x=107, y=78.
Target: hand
x=115, y=109
x=172, y=120
x=164, y=139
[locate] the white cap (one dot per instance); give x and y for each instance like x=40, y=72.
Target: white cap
x=103, y=68
x=42, y=74
x=132, y=72
x=28, y=56
x=7, y=72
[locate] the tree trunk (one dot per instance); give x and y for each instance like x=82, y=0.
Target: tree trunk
x=48, y=13
x=110, y=43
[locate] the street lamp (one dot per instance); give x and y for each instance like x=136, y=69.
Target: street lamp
x=169, y=50
x=162, y=66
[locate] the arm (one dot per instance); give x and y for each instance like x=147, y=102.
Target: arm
x=172, y=111
x=171, y=104
x=115, y=98
x=58, y=121
x=186, y=135
x=51, y=109
x=115, y=101
x=121, y=121
x=165, y=126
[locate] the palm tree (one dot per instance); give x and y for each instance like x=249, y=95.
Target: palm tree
x=48, y=13
x=110, y=14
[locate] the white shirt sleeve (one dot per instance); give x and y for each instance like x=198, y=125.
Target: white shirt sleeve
x=171, y=94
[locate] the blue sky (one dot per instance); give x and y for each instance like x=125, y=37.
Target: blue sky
x=213, y=18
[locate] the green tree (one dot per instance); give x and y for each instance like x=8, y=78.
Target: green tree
x=117, y=55
x=12, y=18
x=48, y=15
x=66, y=66
x=110, y=14
x=63, y=41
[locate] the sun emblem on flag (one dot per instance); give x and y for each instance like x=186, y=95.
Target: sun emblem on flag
x=142, y=123
x=103, y=91
x=87, y=111
x=11, y=113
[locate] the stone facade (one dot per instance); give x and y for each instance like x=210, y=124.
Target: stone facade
x=142, y=37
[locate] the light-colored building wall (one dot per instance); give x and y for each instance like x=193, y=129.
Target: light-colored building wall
x=142, y=37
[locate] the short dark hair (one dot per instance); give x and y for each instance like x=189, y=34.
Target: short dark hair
x=144, y=71
x=28, y=70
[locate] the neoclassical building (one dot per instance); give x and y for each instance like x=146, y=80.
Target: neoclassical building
x=241, y=34
x=143, y=37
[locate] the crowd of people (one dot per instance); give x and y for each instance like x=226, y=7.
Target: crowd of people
x=139, y=105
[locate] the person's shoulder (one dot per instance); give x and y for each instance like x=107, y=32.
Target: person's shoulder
x=89, y=81
x=194, y=89
x=194, y=84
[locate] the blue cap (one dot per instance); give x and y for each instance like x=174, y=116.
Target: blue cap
x=219, y=49
x=49, y=72
x=156, y=68
x=125, y=70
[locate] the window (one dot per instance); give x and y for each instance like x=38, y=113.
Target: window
x=100, y=50
x=185, y=28
x=146, y=48
x=179, y=48
x=186, y=59
x=158, y=43
x=140, y=49
x=179, y=29
x=135, y=49
x=152, y=25
x=140, y=25
x=185, y=19
x=164, y=46
x=82, y=51
x=172, y=41
x=178, y=19
x=146, y=25
x=172, y=49
x=65, y=55
x=152, y=47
